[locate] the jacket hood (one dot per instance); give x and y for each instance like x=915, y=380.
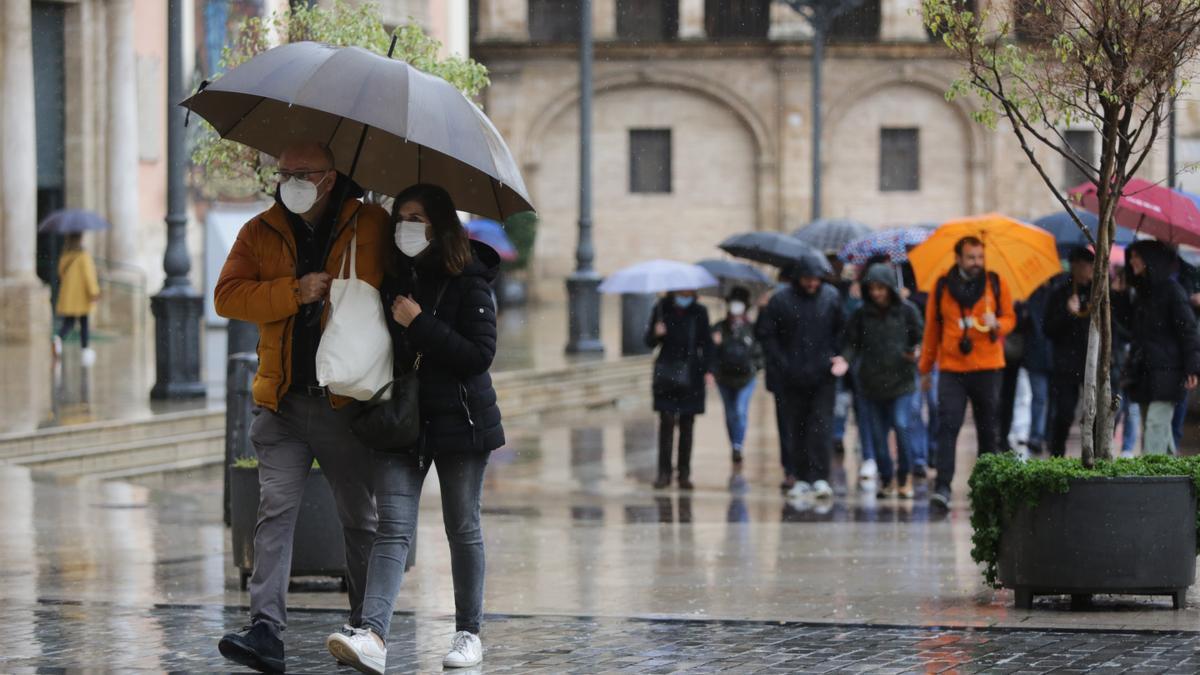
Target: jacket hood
x=882, y=273
x=1159, y=258
x=485, y=262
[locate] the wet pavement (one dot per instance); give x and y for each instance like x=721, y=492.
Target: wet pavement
x=587, y=566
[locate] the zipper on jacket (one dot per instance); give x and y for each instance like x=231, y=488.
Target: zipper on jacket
x=462, y=397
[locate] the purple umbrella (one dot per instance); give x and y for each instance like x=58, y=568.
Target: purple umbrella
x=893, y=243
x=492, y=233
x=72, y=221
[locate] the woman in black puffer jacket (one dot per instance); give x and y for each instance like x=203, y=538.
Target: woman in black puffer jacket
x=438, y=296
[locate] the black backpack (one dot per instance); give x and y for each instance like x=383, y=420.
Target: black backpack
x=735, y=358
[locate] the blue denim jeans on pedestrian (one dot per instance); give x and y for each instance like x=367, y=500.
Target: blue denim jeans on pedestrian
x=918, y=431
x=1179, y=417
x=886, y=415
x=1039, y=385
x=398, y=481
x=1130, y=419
x=737, y=412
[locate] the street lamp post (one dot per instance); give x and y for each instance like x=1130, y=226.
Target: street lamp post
x=178, y=307
x=583, y=287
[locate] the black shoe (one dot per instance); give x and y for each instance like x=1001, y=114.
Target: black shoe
x=255, y=646
x=663, y=481
x=685, y=483
x=940, y=498
x=737, y=457
x=919, y=472
x=1035, y=448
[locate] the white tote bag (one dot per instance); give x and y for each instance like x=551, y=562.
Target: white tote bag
x=354, y=358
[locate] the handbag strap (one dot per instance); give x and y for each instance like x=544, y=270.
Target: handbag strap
x=436, y=303
x=353, y=253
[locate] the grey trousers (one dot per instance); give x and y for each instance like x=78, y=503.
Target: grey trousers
x=287, y=442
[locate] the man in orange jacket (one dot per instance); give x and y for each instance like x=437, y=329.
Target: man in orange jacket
x=278, y=276
x=967, y=316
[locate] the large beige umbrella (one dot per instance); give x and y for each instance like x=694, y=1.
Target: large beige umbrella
x=389, y=125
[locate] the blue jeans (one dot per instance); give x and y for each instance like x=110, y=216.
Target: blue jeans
x=862, y=416
x=918, y=432
x=1130, y=418
x=841, y=408
x=1179, y=417
x=1039, y=383
x=398, y=481
x=885, y=415
x=737, y=412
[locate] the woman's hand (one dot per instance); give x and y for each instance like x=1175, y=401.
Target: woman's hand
x=405, y=310
x=660, y=329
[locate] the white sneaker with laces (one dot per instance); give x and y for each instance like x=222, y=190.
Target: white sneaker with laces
x=869, y=470
x=361, y=649
x=822, y=490
x=800, y=490
x=87, y=357
x=465, y=651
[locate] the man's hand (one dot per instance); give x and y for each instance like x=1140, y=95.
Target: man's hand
x=1073, y=304
x=1195, y=299
x=710, y=379
x=926, y=382
x=1192, y=381
x=838, y=366
x=990, y=321
x=717, y=338
x=660, y=329
x=405, y=310
x=314, y=286
x=912, y=356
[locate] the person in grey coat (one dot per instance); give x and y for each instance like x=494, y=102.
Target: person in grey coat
x=679, y=327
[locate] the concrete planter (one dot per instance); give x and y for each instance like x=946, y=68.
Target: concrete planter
x=318, y=545
x=1129, y=535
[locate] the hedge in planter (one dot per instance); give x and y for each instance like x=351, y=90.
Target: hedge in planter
x=1125, y=526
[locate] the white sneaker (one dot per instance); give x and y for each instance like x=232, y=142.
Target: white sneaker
x=56, y=345
x=800, y=490
x=869, y=470
x=1128, y=454
x=822, y=490
x=362, y=650
x=87, y=357
x=465, y=651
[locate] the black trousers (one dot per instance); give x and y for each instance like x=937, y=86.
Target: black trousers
x=68, y=324
x=982, y=389
x=785, y=435
x=809, y=415
x=1064, y=392
x=666, y=440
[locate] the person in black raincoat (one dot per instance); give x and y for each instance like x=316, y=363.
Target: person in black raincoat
x=801, y=334
x=1067, y=321
x=771, y=380
x=679, y=327
x=1164, y=361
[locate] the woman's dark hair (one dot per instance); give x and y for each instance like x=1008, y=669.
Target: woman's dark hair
x=449, y=238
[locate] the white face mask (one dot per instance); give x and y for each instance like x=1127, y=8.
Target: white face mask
x=298, y=195
x=410, y=238
x=737, y=308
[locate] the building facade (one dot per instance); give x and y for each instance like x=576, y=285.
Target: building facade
x=703, y=126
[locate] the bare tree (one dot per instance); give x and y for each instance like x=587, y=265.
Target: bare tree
x=1048, y=65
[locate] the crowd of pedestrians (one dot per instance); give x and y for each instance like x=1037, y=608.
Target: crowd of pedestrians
x=912, y=363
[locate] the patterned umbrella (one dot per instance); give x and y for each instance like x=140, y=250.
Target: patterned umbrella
x=894, y=243
x=829, y=235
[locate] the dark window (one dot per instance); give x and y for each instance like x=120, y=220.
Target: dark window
x=737, y=18
x=554, y=20
x=649, y=160
x=1081, y=142
x=899, y=160
x=860, y=24
x=649, y=20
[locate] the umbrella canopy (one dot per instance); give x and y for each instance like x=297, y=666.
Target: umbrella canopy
x=1172, y=216
x=400, y=125
x=830, y=235
x=732, y=274
x=1067, y=235
x=771, y=248
x=69, y=221
x=894, y=243
x=658, y=276
x=1023, y=255
x=492, y=233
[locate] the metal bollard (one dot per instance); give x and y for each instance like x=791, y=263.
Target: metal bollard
x=239, y=407
x=636, y=309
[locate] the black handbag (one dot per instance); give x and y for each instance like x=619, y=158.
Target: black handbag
x=676, y=378
x=394, y=425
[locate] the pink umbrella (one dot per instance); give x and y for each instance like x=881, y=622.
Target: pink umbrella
x=1171, y=216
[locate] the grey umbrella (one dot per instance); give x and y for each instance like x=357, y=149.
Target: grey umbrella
x=389, y=125
x=771, y=248
x=69, y=221
x=830, y=235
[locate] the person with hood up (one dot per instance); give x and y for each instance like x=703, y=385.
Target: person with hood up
x=739, y=358
x=775, y=387
x=680, y=329
x=1164, y=360
x=438, y=297
x=1067, y=322
x=801, y=332
x=883, y=337
x=967, y=316
x=278, y=276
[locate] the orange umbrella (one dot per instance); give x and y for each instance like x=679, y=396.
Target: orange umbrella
x=1023, y=255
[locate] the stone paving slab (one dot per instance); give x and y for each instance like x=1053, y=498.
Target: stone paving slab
x=56, y=637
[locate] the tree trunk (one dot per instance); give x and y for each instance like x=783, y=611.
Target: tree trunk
x=1099, y=405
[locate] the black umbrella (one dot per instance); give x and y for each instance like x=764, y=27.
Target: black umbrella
x=733, y=274
x=71, y=221
x=830, y=235
x=773, y=248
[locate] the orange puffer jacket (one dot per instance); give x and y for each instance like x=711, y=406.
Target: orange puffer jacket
x=258, y=284
x=942, y=337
